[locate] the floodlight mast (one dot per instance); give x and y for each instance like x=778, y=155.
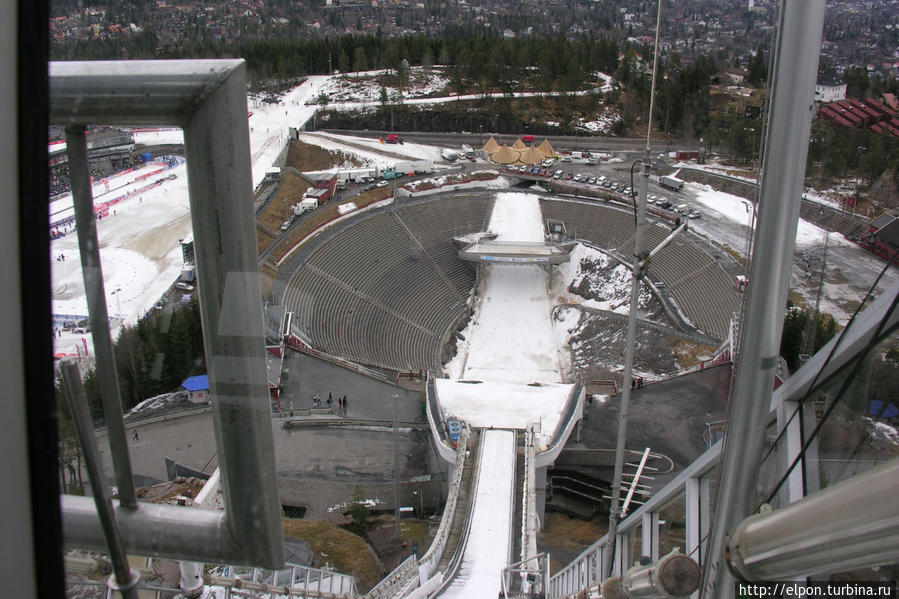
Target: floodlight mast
x=637, y=278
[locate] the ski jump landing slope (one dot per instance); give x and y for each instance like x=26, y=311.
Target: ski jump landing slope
x=489, y=540
x=513, y=339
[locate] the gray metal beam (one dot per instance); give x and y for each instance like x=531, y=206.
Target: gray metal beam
x=852, y=524
x=94, y=289
x=792, y=102
x=207, y=98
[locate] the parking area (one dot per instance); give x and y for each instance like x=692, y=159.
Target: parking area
x=610, y=177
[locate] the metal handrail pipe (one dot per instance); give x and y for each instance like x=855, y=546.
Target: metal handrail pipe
x=107, y=92
x=89, y=249
x=124, y=578
x=674, y=575
x=153, y=529
x=849, y=525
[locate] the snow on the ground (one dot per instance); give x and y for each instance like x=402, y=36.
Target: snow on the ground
x=269, y=123
x=140, y=254
x=504, y=405
x=152, y=137
x=510, y=337
x=739, y=210
x=365, y=87
x=370, y=150
x=613, y=286
x=139, y=240
x=488, y=549
x=517, y=217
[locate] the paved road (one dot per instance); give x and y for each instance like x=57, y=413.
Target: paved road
x=560, y=142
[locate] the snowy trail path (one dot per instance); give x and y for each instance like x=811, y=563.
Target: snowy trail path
x=490, y=540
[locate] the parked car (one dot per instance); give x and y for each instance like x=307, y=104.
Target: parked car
x=694, y=214
x=182, y=286
x=577, y=177
x=569, y=176
x=381, y=184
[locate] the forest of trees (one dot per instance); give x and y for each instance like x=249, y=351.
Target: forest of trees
x=152, y=357
x=796, y=327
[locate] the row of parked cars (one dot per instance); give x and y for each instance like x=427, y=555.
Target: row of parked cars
x=666, y=204
x=602, y=181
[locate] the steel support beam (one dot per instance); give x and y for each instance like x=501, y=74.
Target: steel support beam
x=207, y=99
x=792, y=103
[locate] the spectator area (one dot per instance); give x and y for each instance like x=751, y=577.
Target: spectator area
x=702, y=290
x=388, y=289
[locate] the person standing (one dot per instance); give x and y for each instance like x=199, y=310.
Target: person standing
x=345, y=405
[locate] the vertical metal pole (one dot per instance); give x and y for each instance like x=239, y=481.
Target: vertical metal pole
x=792, y=102
x=637, y=275
x=124, y=578
x=89, y=247
x=216, y=144
x=396, y=468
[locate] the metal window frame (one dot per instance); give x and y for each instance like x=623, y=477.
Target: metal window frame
x=207, y=99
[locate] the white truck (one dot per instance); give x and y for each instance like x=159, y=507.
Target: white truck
x=672, y=183
x=449, y=155
x=357, y=175
x=304, y=205
x=419, y=167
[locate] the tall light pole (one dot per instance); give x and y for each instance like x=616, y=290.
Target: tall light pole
x=396, y=468
x=118, y=299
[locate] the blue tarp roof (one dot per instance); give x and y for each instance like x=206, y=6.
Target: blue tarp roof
x=878, y=409
x=197, y=383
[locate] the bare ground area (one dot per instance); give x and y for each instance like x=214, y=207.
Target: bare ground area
x=155, y=242
x=308, y=157
x=565, y=537
x=263, y=240
x=290, y=191
x=346, y=552
x=597, y=350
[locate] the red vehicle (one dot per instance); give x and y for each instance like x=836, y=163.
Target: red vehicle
x=527, y=138
x=392, y=138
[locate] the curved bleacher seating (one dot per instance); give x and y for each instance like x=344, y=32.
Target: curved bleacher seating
x=703, y=291
x=386, y=290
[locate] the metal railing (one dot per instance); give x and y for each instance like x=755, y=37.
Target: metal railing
x=207, y=99
x=695, y=483
x=571, y=415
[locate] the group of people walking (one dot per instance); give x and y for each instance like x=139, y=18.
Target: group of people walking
x=342, y=404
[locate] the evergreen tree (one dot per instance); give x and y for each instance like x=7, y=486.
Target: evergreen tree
x=758, y=69
x=360, y=59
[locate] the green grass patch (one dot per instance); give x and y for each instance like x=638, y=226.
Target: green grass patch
x=346, y=552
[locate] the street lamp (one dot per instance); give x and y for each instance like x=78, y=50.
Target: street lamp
x=118, y=299
x=396, y=468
